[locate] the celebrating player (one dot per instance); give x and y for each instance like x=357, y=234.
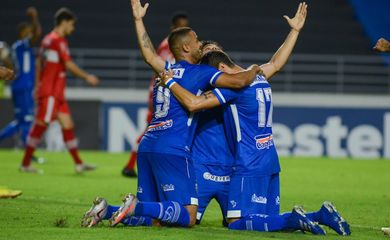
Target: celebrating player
x=179, y=19
x=53, y=60
x=23, y=84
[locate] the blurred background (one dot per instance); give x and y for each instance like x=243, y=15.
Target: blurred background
x=331, y=99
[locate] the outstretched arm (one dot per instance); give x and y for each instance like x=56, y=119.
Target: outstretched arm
x=35, y=24
x=191, y=102
x=145, y=44
x=281, y=56
x=240, y=79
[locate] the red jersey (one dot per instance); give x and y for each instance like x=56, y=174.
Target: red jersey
x=54, y=53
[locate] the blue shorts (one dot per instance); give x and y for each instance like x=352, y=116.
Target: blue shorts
x=166, y=177
x=254, y=195
x=213, y=182
x=23, y=105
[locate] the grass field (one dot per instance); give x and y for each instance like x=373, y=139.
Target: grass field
x=52, y=204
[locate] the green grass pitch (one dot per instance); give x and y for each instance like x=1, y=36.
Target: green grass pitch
x=52, y=204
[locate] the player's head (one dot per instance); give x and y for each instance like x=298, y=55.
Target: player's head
x=179, y=19
x=185, y=45
x=65, y=19
x=209, y=45
x=220, y=60
x=24, y=30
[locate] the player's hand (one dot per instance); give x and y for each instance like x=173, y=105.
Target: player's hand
x=92, y=79
x=298, y=20
x=32, y=12
x=165, y=76
x=6, y=73
x=138, y=11
x=382, y=45
x=257, y=68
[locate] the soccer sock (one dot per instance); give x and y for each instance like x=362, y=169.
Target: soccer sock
x=132, y=160
x=72, y=145
x=260, y=223
x=313, y=216
x=137, y=221
x=168, y=212
x=32, y=142
x=9, y=130
x=110, y=211
x=24, y=129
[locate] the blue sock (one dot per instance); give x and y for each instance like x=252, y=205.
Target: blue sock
x=137, y=221
x=313, y=216
x=260, y=223
x=169, y=212
x=110, y=210
x=9, y=130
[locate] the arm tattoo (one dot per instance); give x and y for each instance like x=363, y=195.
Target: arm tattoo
x=147, y=43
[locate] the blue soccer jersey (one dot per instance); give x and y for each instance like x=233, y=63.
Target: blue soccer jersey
x=210, y=145
x=24, y=62
x=172, y=128
x=248, y=122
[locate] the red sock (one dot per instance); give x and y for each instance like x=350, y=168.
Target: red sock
x=132, y=160
x=72, y=145
x=34, y=136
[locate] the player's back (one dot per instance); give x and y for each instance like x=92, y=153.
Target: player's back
x=53, y=54
x=248, y=122
x=24, y=64
x=172, y=128
x=210, y=146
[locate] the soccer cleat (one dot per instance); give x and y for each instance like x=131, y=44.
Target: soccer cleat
x=83, y=167
x=386, y=230
x=96, y=213
x=30, y=169
x=39, y=160
x=8, y=193
x=305, y=224
x=126, y=172
x=331, y=218
x=127, y=209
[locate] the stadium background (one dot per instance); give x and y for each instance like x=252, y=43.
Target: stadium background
x=333, y=68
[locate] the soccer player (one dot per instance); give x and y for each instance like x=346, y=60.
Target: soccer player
x=179, y=19
x=166, y=184
x=52, y=62
x=254, y=199
x=23, y=84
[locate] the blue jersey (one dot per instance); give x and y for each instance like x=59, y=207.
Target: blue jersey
x=248, y=122
x=210, y=145
x=172, y=128
x=24, y=62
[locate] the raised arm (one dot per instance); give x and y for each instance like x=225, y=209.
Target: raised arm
x=281, y=56
x=190, y=101
x=145, y=44
x=240, y=79
x=382, y=45
x=35, y=24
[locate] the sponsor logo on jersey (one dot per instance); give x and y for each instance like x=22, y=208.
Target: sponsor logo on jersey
x=259, y=199
x=178, y=72
x=264, y=141
x=233, y=203
x=168, y=187
x=161, y=125
x=139, y=190
x=214, y=178
x=277, y=200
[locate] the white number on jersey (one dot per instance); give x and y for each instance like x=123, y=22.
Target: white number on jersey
x=264, y=95
x=162, y=102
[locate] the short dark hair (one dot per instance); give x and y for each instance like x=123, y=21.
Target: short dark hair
x=63, y=14
x=208, y=42
x=177, y=16
x=21, y=26
x=214, y=58
x=176, y=37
